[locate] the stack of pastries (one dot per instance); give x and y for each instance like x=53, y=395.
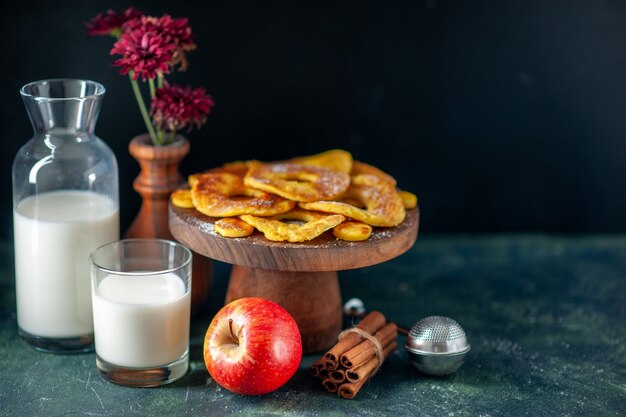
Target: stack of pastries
x=298, y=199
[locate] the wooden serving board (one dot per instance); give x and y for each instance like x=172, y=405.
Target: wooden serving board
x=302, y=277
x=324, y=253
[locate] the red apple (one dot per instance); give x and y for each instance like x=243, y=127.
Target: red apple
x=252, y=346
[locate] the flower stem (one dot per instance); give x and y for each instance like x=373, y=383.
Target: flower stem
x=160, y=135
x=152, y=89
x=143, y=110
x=159, y=132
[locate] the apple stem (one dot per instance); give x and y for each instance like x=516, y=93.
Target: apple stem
x=232, y=334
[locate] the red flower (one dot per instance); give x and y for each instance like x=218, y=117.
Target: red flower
x=178, y=30
x=111, y=23
x=151, y=47
x=174, y=108
x=145, y=52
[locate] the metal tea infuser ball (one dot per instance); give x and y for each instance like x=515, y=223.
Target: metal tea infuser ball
x=436, y=345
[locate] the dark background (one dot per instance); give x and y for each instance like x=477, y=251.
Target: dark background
x=503, y=116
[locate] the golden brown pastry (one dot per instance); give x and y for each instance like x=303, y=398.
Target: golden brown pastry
x=225, y=195
x=335, y=159
x=408, y=199
x=383, y=205
x=278, y=228
x=352, y=231
x=233, y=227
x=182, y=198
x=297, y=182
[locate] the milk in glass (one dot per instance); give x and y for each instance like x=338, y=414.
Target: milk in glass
x=141, y=321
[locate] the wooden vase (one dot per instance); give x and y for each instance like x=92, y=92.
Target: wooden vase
x=157, y=179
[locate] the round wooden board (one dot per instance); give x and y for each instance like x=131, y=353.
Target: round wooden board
x=324, y=253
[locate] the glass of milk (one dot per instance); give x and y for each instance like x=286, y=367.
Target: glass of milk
x=65, y=204
x=141, y=295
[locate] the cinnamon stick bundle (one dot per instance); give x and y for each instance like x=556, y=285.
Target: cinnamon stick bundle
x=358, y=354
x=370, y=324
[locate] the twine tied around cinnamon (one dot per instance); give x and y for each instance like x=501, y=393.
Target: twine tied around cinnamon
x=365, y=335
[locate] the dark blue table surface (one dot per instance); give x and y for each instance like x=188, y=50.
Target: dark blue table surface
x=545, y=317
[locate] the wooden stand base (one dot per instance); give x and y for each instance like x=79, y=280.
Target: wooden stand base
x=312, y=298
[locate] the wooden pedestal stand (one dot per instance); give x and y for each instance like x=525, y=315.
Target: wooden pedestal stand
x=302, y=277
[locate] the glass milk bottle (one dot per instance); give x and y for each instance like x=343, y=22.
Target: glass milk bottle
x=65, y=204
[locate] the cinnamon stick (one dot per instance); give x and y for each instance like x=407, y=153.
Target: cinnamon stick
x=362, y=352
x=350, y=389
x=331, y=364
x=364, y=371
x=338, y=376
x=330, y=385
x=370, y=324
x=317, y=366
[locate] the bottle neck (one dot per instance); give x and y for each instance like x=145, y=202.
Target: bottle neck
x=68, y=106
